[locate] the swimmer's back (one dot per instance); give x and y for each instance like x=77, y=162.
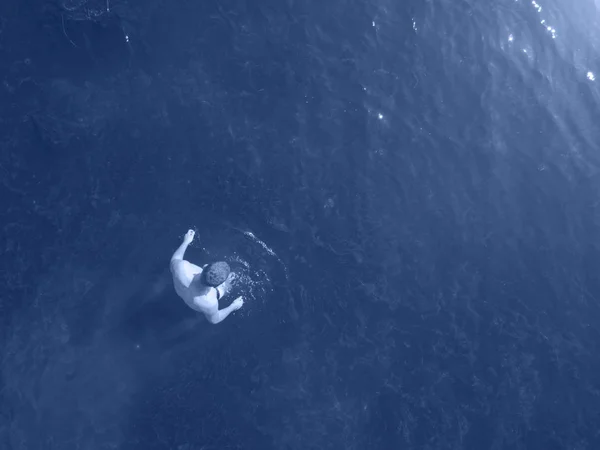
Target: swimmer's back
x=199, y=299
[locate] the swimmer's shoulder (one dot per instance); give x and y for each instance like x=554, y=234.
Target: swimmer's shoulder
x=205, y=302
x=185, y=266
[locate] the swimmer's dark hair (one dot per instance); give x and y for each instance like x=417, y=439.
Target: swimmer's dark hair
x=215, y=274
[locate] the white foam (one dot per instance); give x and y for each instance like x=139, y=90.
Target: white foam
x=270, y=251
x=262, y=244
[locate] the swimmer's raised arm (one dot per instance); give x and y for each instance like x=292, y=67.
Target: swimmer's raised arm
x=180, y=252
x=216, y=316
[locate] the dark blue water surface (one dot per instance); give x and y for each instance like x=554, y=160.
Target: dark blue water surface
x=408, y=190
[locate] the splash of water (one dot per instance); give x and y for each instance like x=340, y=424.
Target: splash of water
x=251, y=235
x=269, y=250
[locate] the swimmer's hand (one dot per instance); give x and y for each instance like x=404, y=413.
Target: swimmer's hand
x=180, y=252
x=217, y=316
x=189, y=236
x=237, y=303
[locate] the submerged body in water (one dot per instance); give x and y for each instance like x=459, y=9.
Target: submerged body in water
x=201, y=288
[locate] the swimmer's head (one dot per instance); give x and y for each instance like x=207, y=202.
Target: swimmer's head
x=215, y=274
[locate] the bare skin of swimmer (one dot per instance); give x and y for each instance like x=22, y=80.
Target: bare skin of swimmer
x=198, y=296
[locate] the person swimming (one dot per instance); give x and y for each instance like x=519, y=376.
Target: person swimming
x=201, y=288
